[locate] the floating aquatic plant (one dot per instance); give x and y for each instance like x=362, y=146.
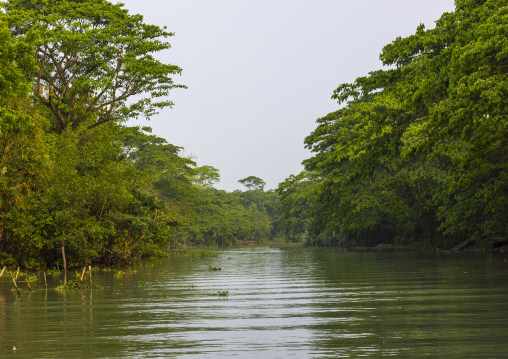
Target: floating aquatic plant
x=223, y=293
x=202, y=254
x=74, y=284
x=54, y=271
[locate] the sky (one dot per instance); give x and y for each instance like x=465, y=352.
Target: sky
x=261, y=72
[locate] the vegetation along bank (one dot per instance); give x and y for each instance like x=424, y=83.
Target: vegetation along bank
x=417, y=153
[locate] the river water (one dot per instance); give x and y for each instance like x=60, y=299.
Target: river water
x=281, y=303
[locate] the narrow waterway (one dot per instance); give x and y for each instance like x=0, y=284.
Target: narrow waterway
x=280, y=303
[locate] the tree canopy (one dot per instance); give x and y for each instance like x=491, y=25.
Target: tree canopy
x=76, y=185
x=253, y=183
x=420, y=149
x=417, y=153
x=95, y=61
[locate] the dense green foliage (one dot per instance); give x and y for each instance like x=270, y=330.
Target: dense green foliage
x=417, y=153
x=420, y=150
x=93, y=60
x=73, y=178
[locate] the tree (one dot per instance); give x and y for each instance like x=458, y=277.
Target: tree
x=15, y=64
x=296, y=203
x=22, y=148
x=419, y=150
x=95, y=61
x=205, y=176
x=253, y=183
x=460, y=69
x=168, y=174
x=100, y=204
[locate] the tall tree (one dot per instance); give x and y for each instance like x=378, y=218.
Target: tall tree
x=22, y=148
x=253, y=183
x=419, y=150
x=460, y=76
x=205, y=176
x=95, y=61
x=297, y=200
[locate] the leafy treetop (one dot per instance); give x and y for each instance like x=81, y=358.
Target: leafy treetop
x=253, y=183
x=95, y=61
x=205, y=176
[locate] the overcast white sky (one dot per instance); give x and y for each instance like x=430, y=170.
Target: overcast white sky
x=260, y=72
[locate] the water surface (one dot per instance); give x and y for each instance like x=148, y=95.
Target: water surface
x=296, y=303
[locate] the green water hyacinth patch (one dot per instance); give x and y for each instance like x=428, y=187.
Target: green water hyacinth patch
x=223, y=293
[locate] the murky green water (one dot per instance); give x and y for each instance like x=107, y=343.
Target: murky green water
x=282, y=304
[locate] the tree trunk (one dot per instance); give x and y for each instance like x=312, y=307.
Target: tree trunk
x=1, y=233
x=65, y=265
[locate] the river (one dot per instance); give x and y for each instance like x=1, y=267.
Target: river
x=274, y=303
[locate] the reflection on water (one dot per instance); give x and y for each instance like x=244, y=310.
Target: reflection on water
x=282, y=303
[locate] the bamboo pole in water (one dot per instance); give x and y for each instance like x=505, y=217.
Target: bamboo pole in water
x=2, y=272
x=90, y=275
x=17, y=274
x=15, y=285
x=45, y=281
x=28, y=284
x=82, y=276
x=65, y=265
